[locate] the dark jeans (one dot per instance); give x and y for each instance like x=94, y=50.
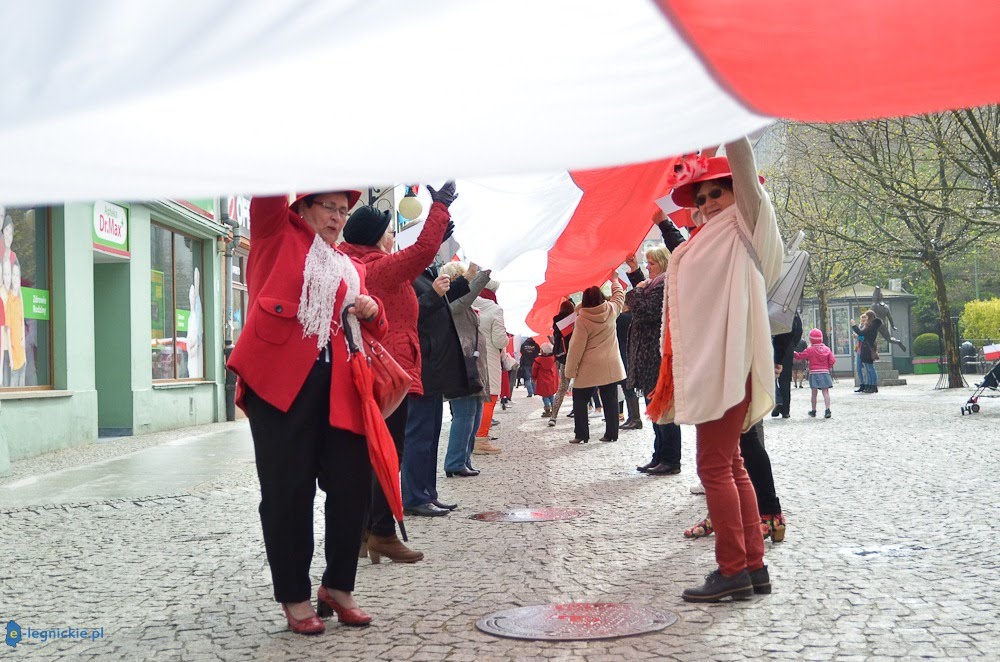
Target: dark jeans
x=423, y=432
x=581, y=422
x=528, y=382
x=783, y=395
x=666, y=443
x=382, y=522
x=293, y=450
x=758, y=466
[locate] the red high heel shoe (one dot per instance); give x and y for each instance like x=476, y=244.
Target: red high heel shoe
x=311, y=625
x=326, y=606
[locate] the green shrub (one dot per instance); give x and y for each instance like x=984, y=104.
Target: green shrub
x=981, y=319
x=926, y=344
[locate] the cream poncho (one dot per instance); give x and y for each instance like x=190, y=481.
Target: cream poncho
x=717, y=299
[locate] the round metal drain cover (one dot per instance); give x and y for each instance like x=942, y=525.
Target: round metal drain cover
x=527, y=515
x=576, y=621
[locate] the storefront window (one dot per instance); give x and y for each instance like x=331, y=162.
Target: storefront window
x=177, y=314
x=25, y=298
x=239, y=294
x=840, y=330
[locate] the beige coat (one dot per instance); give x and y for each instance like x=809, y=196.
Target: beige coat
x=593, y=358
x=717, y=297
x=493, y=330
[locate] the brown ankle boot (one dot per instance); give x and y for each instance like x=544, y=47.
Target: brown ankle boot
x=392, y=548
x=363, y=552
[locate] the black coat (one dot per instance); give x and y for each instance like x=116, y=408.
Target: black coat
x=442, y=370
x=560, y=343
x=622, y=325
x=869, y=337
x=785, y=343
x=529, y=352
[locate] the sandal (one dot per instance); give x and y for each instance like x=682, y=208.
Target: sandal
x=700, y=530
x=773, y=527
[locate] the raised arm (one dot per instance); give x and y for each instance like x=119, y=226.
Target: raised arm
x=746, y=186
x=475, y=287
x=268, y=215
x=617, y=296
x=407, y=264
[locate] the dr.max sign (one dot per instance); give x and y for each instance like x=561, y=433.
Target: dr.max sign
x=111, y=229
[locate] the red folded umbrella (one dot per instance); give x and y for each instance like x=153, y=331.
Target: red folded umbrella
x=381, y=448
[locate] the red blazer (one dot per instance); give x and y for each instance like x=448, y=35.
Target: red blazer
x=545, y=375
x=271, y=356
x=391, y=276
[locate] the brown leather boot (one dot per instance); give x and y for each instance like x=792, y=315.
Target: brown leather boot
x=484, y=447
x=392, y=548
x=363, y=552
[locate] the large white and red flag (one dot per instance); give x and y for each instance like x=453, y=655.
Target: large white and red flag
x=123, y=100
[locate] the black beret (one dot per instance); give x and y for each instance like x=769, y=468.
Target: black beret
x=366, y=226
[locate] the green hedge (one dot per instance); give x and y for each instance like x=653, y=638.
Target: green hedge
x=926, y=344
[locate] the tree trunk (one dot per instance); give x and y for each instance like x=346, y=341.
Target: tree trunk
x=944, y=317
x=823, y=315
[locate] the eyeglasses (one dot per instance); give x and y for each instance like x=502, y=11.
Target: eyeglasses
x=332, y=208
x=715, y=194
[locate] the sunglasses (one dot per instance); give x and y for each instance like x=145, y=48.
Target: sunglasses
x=701, y=199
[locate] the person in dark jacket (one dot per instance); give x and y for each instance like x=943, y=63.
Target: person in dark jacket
x=624, y=323
x=443, y=372
x=529, y=352
x=560, y=345
x=788, y=341
x=868, y=330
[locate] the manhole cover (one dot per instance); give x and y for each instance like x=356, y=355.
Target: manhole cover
x=576, y=621
x=527, y=515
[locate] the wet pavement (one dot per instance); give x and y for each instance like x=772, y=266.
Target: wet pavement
x=890, y=553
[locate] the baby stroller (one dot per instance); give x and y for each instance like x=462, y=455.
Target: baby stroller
x=991, y=380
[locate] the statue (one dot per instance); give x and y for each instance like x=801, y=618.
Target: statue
x=881, y=310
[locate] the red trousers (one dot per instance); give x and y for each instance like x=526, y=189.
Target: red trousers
x=484, y=427
x=732, y=503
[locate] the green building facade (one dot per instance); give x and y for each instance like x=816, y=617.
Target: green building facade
x=112, y=322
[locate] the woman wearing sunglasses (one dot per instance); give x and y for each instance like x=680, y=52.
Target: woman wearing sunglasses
x=716, y=306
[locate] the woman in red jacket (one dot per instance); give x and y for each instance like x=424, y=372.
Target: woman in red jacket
x=367, y=238
x=295, y=386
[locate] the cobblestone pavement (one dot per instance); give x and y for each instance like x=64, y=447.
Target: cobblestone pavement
x=891, y=549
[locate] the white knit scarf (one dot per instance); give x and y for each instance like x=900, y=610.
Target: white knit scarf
x=324, y=270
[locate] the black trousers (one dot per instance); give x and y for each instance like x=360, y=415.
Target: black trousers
x=294, y=450
x=783, y=396
x=382, y=523
x=581, y=422
x=758, y=466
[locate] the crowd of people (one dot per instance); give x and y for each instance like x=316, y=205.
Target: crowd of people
x=691, y=338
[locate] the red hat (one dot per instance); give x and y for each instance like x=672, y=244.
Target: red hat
x=352, y=198
x=718, y=167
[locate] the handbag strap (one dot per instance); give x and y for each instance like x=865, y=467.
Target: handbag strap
x=750, y=249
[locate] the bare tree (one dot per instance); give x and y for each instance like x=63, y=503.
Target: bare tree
x=913, y=199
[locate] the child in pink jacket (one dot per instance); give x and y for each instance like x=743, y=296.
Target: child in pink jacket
x=821, y=361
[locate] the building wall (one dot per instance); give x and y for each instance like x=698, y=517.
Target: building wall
x=101, y=332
